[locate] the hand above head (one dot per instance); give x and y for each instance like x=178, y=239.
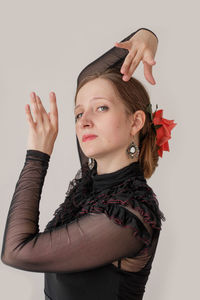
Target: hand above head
x=141, y=46
x=44, y=130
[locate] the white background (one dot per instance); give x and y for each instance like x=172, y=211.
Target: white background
x=44, y=46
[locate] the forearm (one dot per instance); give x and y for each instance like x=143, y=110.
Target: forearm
x=23, y=215
x=113, y=58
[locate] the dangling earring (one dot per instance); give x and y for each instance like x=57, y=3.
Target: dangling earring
x=91, y=163
x=133, y=150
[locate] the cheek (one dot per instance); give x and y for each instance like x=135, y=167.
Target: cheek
x=115, y=131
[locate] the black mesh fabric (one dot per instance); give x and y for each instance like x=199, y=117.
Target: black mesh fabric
x=113, y=58
x=104, y=218
x=85, y=243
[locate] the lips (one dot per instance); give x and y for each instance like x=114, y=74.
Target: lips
x=88, y=137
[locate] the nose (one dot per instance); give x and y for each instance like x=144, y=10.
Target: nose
x=86, y=120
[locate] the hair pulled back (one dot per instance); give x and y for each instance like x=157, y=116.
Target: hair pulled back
x=135, y=97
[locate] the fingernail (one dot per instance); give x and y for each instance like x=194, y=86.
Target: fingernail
x=52, y=94
x=33, y=94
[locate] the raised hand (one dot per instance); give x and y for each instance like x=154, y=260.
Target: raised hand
x=44, y=130
x=142, y=46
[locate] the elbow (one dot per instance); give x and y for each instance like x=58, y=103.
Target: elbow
x=11, y=262
x=5, y=260
x=5, y=255
x=12, y=257
x=9, y=259
x=17, y=261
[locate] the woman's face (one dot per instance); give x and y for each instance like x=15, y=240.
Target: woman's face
x=101, y=113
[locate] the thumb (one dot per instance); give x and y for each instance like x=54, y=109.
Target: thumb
x=125, y=45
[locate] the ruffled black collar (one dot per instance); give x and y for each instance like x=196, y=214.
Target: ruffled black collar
x=90, y=192
x=103, y=181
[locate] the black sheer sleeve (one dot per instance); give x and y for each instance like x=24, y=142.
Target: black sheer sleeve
x=113, y=58
x=91, y=241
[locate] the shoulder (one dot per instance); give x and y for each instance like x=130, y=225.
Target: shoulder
x=131, y=204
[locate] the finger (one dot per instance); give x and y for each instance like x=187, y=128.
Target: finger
x=42, y=109
x=127, y=62
x=149, y=60
x=29, y=116
x=39, y=108
x=133, y=66
x=148, y=73
x=53, y=110
x=36, y=112
x=126, y=45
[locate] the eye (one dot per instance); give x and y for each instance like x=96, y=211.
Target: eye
x=103, y=106
x=76, y=117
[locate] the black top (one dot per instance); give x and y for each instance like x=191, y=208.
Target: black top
x=105, y=252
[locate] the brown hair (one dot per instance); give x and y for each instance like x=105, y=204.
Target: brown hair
x=135, y=97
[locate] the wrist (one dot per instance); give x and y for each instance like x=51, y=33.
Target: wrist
x=38, y=154
x=146, y=29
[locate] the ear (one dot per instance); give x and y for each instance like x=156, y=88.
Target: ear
x=137, y=121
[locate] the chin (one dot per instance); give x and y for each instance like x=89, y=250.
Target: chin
x=93, y=154
x=90, y=154
x=88, y=151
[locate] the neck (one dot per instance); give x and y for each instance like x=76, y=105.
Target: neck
x=109, y=165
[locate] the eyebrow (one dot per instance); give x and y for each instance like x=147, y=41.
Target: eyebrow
x=94, y=98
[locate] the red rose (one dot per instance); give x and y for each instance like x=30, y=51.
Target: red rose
x=163, y=133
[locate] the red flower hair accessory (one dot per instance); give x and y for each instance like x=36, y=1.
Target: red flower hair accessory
x=162, y=128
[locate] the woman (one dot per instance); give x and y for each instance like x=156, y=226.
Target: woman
x=103, y=237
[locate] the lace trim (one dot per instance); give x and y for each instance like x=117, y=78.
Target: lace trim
x=113, y=202
x=81, y=199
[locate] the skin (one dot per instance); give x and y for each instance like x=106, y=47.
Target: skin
x=43, y=129
x=142, y=47
x=114, y=130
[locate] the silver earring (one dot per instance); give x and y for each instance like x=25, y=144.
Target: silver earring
x=91, y=163
x=133, y=150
